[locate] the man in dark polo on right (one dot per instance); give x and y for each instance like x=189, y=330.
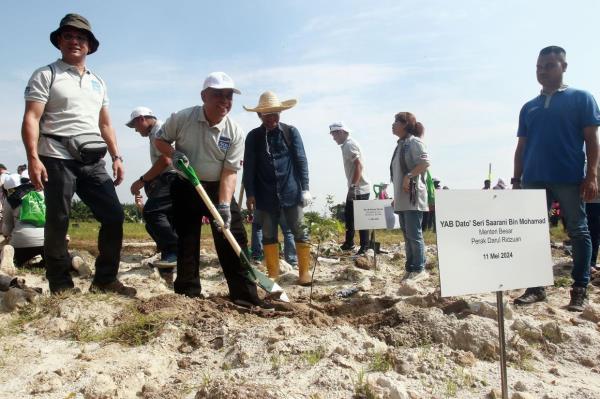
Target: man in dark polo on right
x=550, y=155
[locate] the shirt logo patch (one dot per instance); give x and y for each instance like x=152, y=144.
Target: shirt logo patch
x=224, y=143
x=96, y=86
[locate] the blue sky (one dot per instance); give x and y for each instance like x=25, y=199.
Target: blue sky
x=464, y=68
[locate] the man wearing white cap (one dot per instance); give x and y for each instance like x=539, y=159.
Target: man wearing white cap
x=358, y=186
x=276, y=181
x=213, y=144
x=158, y=210
x=67, y=131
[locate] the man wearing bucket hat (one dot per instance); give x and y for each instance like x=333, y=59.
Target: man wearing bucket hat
x=158, y=210
x=358, y=186
x=67, y=131
x=213, y=144
x=276, y=181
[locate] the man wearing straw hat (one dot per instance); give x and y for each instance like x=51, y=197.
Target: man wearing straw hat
x=67, y=131
x=276, y=181
x=213, y=144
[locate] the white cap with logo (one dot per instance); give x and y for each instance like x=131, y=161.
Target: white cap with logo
x=219, y=80
x=137, y=112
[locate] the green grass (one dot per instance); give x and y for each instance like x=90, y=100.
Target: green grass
x=563, y=281
x=45, y=305
x=313, y=357
x=381, y=362
x=134, y=329
x=88, y=231
x=362, y=390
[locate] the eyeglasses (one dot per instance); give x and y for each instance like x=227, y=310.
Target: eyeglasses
x=226, y=94
x=80, y=37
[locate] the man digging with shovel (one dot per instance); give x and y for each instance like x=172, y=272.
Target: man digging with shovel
x=213, y=144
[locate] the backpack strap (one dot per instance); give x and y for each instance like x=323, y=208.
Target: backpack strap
x=287, y=134
x=53, y=76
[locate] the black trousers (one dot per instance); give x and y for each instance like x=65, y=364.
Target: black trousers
x=95, y=188
x=188, y=210
x=22, y=255
x=349, y=219
x=158, y=213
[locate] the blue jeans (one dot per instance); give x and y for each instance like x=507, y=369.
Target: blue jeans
x=592, y=210
x=410, y=223
x=289, y=247
x=573, y=210
x=292, y=217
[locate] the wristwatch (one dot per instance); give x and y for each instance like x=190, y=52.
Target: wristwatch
x=115, y=157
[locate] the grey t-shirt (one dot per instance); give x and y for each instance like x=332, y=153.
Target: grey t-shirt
x=416, y=153
x=73, y=104
x=350, y=153
x=209, y=149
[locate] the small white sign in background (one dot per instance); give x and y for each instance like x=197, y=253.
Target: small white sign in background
x=374, y=214
x=492, y=240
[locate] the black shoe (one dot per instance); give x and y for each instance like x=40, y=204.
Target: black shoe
x=116, y=287
x=362, y=250
x=267, y=306
x=66, y=291
x=347, y=247
x=531, y=295
x=578, y=299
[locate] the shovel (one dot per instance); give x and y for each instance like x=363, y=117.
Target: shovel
x=273, y=290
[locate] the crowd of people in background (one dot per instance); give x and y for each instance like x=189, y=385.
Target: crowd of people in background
x=66, y=142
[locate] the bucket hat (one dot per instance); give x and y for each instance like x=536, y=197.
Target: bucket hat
x=269, y=102
x=78, y=22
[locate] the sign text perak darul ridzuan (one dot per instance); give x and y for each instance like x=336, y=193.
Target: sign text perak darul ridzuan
x=490, y=227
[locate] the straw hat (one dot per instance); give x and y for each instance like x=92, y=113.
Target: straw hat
x=269, y=102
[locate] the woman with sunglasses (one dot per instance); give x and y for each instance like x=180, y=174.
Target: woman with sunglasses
x=409, y=164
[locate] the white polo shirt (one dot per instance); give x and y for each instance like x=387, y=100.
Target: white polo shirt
x=73, y=104
x=209, y=149
x=350, y=153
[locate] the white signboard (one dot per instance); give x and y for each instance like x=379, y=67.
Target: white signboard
x=374, y=214
x=492, y=240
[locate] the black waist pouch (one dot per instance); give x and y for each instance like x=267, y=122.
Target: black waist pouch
x=86, y=148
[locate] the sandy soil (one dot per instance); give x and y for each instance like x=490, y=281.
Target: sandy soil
x=390, y=339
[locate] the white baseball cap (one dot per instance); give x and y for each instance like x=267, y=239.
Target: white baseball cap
x=219, y=80
x=12, y=181
x=335, y=126
x=137, y=112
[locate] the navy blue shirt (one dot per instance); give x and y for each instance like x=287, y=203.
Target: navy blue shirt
x=553, y=125
x=275, y=173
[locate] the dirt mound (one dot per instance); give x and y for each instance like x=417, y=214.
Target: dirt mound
x=357, y=309
x=401, y=328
